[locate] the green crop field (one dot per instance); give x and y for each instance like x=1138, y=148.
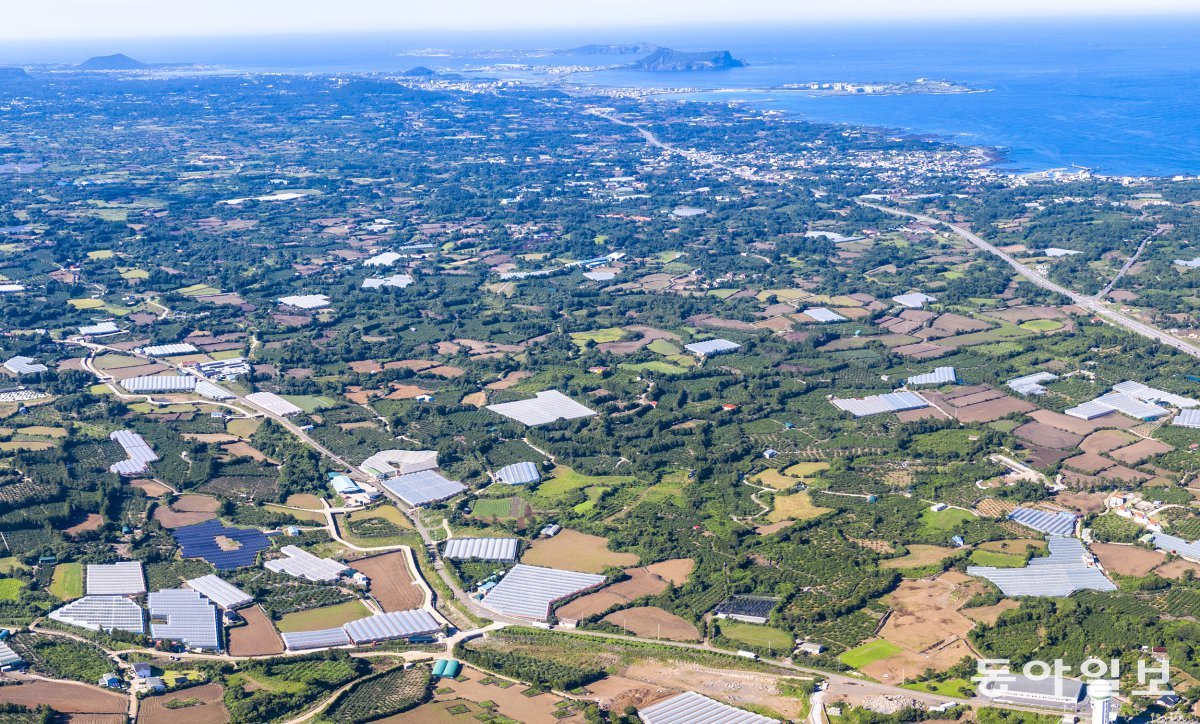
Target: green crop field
x=67, y=583
x=763, y=637
x=1041, y=325
x=311, y=403
x=324, y=617
x=599, y=336
x=869, y=652
x=10, y=589
x=944, y=521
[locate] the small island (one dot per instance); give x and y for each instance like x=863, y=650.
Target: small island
x=118, y=61
x=666, y=59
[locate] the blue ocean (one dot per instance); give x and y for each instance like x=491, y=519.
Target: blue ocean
x=1117, y=97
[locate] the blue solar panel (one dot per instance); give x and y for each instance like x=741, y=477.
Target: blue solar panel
x=200, y=541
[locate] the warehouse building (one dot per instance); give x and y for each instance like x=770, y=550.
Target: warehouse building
x=423, y=488
x=302, y=564
x=179, y=614
x=531, y=591
x=518, y=474
x=138, y=454
x=1015, y=688
x=939, y=376
x=107, y=613
x=225, y=369
x=878, y=404
x=711, y=347
x=151, y=384
x=692, y=708
x=1068, y=568
x=220, y=592
x=115, y=579
x=546, y=407
x=20, y=365
x=273, y=404
x=389, y=463
x=481, y=549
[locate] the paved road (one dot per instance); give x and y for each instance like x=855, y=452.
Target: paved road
x=1091, y=304
x=1128, y=263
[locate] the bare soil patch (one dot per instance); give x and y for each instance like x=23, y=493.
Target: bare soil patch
x=575, y=551
x=675, y=570
x=1046, y=436
x=1081, y=502
x=240, y=449
x=773, y=528
x=406, y=392
x=1081, y=427
x=653, y=622
x=1088, y=462
x=1177, y=568
x=64, y=696
x=257, y=637
x=171, y=518
x=366, y=366
x=1102, y=441
x=990, y=614
x=1126, y=560
x=1140, y=451
x=153, y=488
x=993, y=409
x=196, y=504
x=738, y=688
x=91, y=521
x=391, y=582
x=918, y=555
x=210, y=709
x=509, y=380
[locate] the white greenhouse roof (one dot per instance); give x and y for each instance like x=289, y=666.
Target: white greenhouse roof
x=204, y=388
x=302, y=564
x=137, y=451
x=1188, y=418
x=692, y=708
x=101, y=328
x=1116, y=402
x=1178, y=546
x=220, y=592
x=8, y=657
x=548, y=406
x=399, y=281
x=321, y=639
x=1067, y=569
x=1153, y=394
x=386, y=258
x=178, y=614
x=424, y=487
x=712, y=346
x=115, y=579
x=20, y=365
x=386, y=463
x=939, y=376
x=482, y=549
x=531, y=591
x=518, y=474
x=306, y=301
x=102, y=612
x=876, y=404
x=394, y=625
x=1051, y=523
x=160, y=383
x=915, y=300
x=272, y=403
x=1031, y=384
x=823, y=315
x=168, y=350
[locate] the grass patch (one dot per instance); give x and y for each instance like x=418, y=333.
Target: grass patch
x=10, y=564
x=10, y=589
x=805, y=470
x=869, y=653
x=86, y=303
x=101, y=254
x=311, y=403
x=492, y=508
x=135, y=274
x=763, y=637
x=563, y=480
x=324, y=617
x=772, y=478
x=67, y=583
x=959, y=688
x=798, y=506
x=664, y=368
x=663, y=347
x=945, y=521
x=599, y=336
x=199, y=290
x=243, y=427
x=1041, y=325
x=389, y=513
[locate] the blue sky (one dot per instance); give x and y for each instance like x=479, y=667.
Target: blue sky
x=72, y=19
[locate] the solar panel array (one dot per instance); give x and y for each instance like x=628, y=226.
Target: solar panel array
x=115, y=579
x=1060, y=574
x=323, y=638
x=1178, y=546
x=1187, y=418
x=102, y=612
x=877, y=404
x=1031, y=384
x=823, y=315
x=548, y=406
x=482, y=549
x=8, y=657
x=1056, y=523
x=427, y=486
x=220, y=592
x=394, y=625
x=138, y=451
x=712, y=346
x=179, y=614
x=518, y=474
x=160, y=383
x=939, y=376
x=168, y=350
x=200, y=541
x=530, y=591
x=20, y=365
x=273, y=403
x=302, y=564
x=692, y=708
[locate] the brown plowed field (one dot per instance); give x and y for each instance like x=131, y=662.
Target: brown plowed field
x=653, y=622
x=993, y=409
x=1102, y=441
x=1046, y=436
x=257, y=637
x=66, y=697
x=1139, y=451
x=1081, y=427
x=1126, y=560
x=210, y=709
x=391, y=583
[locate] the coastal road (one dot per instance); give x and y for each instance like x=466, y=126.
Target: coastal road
x=1091, y=304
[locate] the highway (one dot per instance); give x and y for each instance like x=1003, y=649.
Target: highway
x=1091, y=304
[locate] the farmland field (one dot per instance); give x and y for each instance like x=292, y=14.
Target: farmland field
x=868, y=653
x=194, y=705
x=762, y=637
x=324, y=617
x=391, y=582
x=390, y=693
x=575, y=551
x=944, y=521
x=257, y=637
x=67, y=583
x=798, y=506
x=66, y=697
x=653, y=622
x=564, y=480
x=918, y=555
